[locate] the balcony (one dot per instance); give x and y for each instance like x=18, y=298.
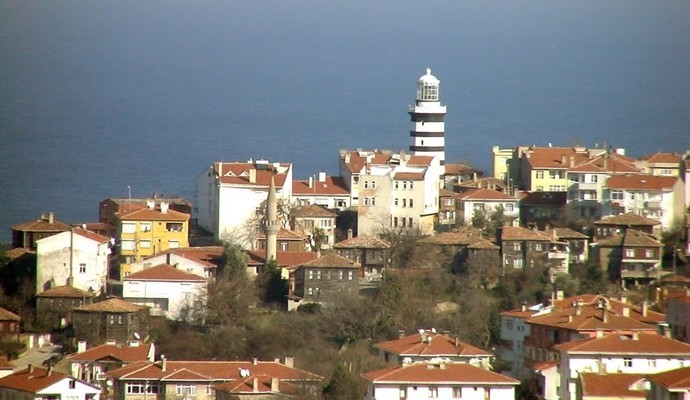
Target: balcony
x=652, y=205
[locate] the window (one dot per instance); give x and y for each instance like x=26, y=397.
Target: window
x=283, y=246
x=373, y=184
x=182, y=390
x=411, y=203
x=129, y=227
x=310, y=291
x=145, y=226
x=366, y=184
x=411, y=185
x=630, y=253
x=593, y=178
x=509, y=206
x=340, y=275
x=403, y=393
x=404, y=202
x=433, y=392
x=82, y=268
x=395, y=202
x=318, y=274
x=509, y=323
x=173, y=227
x=539, y=247
x=649, y=253
x=540, y=174
x=350, y=275
x=404, y=184
x=517, y=263
x=173, y=244
x=516, y=246
x=540, y=188
x=651, y=363
x=617, y=195
x=72, y=384
x=395, y=221
x=310, y=274
x=555, y=174
x=395, y=184
x=127, y=244
x=366, y=202
x=409, y=222
x=627, y=362
x=145, y=244
x=325, y=223
x=372, y=201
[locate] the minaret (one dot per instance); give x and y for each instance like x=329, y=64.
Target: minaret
x=271, y=223
x=427, y=116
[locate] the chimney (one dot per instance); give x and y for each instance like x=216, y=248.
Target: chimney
x=289, y=361
x=81, y=346
x=570, y=318
x=636, y=336
x=164, y=363
x=599, y=333
x=110, y=342
x=255, y=385
x=322, y=176
x=563, y=158
x=644, y=307
x=349, y=233
x=666, y=331
x=401, y=334
x=624, y=299
x=626, y=312
x=523, y=307
x=578, y=308
x=274, y=384
x=572, y=161
x=457, y=342
x=311, y=182
x=347, y=158
x=255, y=361
x=252, y=175
x=51, y=217
x=164, y=207
x=31, y=368
x=604, y=315
x=559, y=295
x=50, y=370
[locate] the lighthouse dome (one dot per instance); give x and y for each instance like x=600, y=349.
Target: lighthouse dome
x=427, y=87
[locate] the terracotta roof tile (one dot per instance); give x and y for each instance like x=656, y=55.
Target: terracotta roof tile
x=542, y=366
x=118, y=352
x=483, y=244
x=520, y=233
x=333, y=186
x=486, y=194
x=285, y=234
x=359, y=159
x=113, y=305
x=566, y=233
x=66, y=291
x=263, y=385
x=146, y=214
x=454, y=373
x=615, y=386
x=6, y=315
x=210, y=254
x=362, y=242
x=164, y=272
x=615, y=305
x=606, y=164
x=549, y=157
x=440, y=345
x=91, y=235
x=628, y=219
x=283, y=258
x=485, y=183
x=629, y=344
x=459, y=169
x=26, y=380
x=641, y=182
x=663, y=158
x=589, y=320
x=313, y=211
x=17, y=252
x=673, y=379
x=331, y=260
x=408, y=176
x=420, y=160
x=42, y=225
x=237, y=173
x=455, y=237
x=630, y=238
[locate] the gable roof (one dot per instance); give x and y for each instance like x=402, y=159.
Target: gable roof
x=630, y=238
x=147, y=214
x=549, y=157
x=6, y=315
x=33, y=379
x=629, y=344
x=118, y=352
x=66, y=291
x=332, y=186
x=209, y=370
x=238, y=173
x=663, y=158
x=483, y=244
x=615, y=386
x=428, y=373
x=486, y=194
x=313, y=211
x=520, y=233
x=112, y=305
x=457, y=237
x=615, y=305
x=284, y=234
x=362, y=242
x=566, y=233
x=263, y=385
x=358, y=158
x=641, y=182
x=434, y=344
x=673, y=379
x=590, y=318
x=331, y=260
x=42, y=225
x=627, y=219
x=606, y=163
x=164, y=272
x=283, y=258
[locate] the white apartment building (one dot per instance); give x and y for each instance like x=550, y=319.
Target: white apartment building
x=394, y=190
x=487, y=201
x=183, y=261
x=327, y=191
x=77, y=258
x=230, y=194
x=635, y=353
x=514, y=330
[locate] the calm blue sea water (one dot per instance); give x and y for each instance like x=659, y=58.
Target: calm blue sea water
x=96, y=96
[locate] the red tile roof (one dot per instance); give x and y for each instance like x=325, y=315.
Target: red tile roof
x=408, y=176
x=210, y=370
x=357, y=161
x=439, y=345
x=566, y=233
x=30, y=381
x=615, y=305
x=427, y=373
x=589, y=320
x=117, y=352
x=41, y=225
x=6, y=315
x=420, y=160
x=66, y=292
x=91, y=235
x=263, y=385
x=615, y=386
x=237, y=173
x=331, y=260
x=678, y=379
x=483, y=244
x=630, y=238
x=628, y=219
x=641, y=182
x=113, y=305
x=663, y=158
x=629, y=344
x=542, y=366
x=463, y=237
x=209, y=254
x=543, y=199
x=313, y=211
x=285, y=234
x=458, y=169
x=333, y=186
x=362, y=242
x=606, y=163
x=146, y=214
x=486, y=194
x=549, y=157
x=520, y=233
x=164, y=272
x=283, y=258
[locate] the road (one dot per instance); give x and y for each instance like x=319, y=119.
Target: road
x=36, y=356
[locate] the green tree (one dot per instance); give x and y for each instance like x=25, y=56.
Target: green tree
x=343, y=385
x=271, y=285
x=234, y=261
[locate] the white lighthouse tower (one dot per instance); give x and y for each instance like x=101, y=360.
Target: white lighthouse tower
x=427, y=116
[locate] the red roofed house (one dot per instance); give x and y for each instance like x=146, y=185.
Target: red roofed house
x=426, y=345
x=110, y=208
x=321, y=280
x=670, y=385
x=327, y=191
x=263, y=387
x=38, y=383
x=543, y=169
x=617, y=353
x=487, y=201
x=613, y=386
x=76, y=257
x=26, y=234
x=200, y=379
x=660, y=198
x=110, y=320
x=201, y=261
x=440, y=380
x=662, y=164
x=311, y=220
x=168, y=291
x=92, y=364
x=229, y=194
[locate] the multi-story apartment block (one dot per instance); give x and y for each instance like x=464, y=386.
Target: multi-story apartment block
x=657, y=197
x=326, y=191
x=662, y=164
x=587, y=180
x=544, y=169
x=312, y=219
x=91, y=364
x=145, y=232
x=617, y=224
x=54, y=306
x=501, y=163
x=487, y=201
x=76, y=257
x=526, y=248
x=110, y=208
x=322, y=280
x=632, y=256
x=448, y=208
x=392, y=190
x=229, y=195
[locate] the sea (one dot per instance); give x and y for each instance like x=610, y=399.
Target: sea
x=106, y=98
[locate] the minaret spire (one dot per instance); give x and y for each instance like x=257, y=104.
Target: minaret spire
x=271, y=223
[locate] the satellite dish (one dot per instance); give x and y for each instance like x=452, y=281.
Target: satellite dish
x=109, y=382
x=136, y=336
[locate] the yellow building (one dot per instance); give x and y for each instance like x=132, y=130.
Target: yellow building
x=501, y=163
x=545, y=169
x=145, y=232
